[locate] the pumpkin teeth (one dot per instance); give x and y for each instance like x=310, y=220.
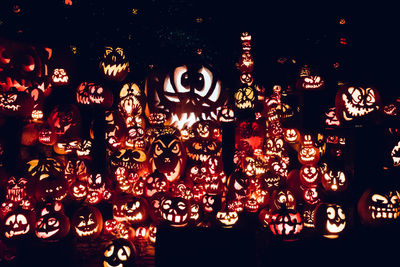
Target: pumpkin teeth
x=353, y=110
x=113, y=70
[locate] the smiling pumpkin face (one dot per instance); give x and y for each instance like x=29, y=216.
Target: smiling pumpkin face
x=87, y=222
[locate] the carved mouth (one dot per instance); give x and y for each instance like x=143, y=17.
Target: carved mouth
x=188, y=119
x=113, y=70
x=12, y=233
x=178, y=219
x=384, y=213
x=96, y=99
x=333, y=228
x=86, y=233
x=395, y=155
x=353, y=110
x=41, y=233
x=137, y=217
x=106, y=264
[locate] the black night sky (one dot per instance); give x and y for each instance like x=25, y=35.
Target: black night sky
x=165, y=30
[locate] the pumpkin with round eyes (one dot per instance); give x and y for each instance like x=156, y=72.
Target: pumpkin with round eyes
x=87, y=222
x=119, y=252
x=226, y=218
x=189, y=92
x=22, y=65
x=354, y=103
x=114, y=65
x=309, y=175
x=331, y=220
x=286, y=224
x=226, y=114
x=89, y=93
x=18, y=224
x=282, y=198
x=168, y=155
x=274, y=146
x=175, y=211
x=133, y=160
x=378, y=206
x=291, y=135
x=60, y=77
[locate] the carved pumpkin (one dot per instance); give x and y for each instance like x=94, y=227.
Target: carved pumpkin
x=65, y=119
x=334, y=181
x=353, y=103
x=310, y=83
x=87, y=222
x=188, y=92
x=227, y=219
x=52, y=188
x=16, y=104
x=43, y=167
x=379, y=206
x=78, y=190
x=17, y=188
x=286, y=224
x=120, y=252
x=136, y=210
x=60, y=77
x=114, y=65
x=88, y=93
x=18, y=223
x=330, y=220
x=52, y=225
x=167, y=154
x=134, y=160
x=175, y=211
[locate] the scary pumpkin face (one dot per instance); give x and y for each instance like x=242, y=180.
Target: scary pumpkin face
x=331, y=120
x=88, y=93
x=168, y=156
x=354, y=103
x=286, y=224
x=87, y=222
x=16, y=104
x=245, y=98
x=42, y=168
x=310, y=83
x=18, y=223
x=16, y=189
x=64, y=119
x=175, y=211
x=133, y=160
x=330, y=220
x=188, y=92
x=47, y=136
x=136, y=210
x=22, y=65
x=377, y=207
x=114, y=65
x=120, y=252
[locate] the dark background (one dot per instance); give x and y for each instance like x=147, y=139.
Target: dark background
x=166, y=31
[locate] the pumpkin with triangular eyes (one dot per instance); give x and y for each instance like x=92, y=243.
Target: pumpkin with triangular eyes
x=119, y=252
x=18, y=224
x=168, y=155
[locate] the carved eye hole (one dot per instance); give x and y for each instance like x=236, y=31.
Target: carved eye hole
x=379, y=199
x=330, y=212
x=109, y=251
x=29, y=64
x=175, y=149
x=370, y=100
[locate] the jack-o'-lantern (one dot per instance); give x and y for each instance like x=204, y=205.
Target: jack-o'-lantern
x=168, y=155
x=379, y=206
x=249, y=135
x=308, y=154
x=156, y=182
x=291, y=135
x=227, y=219
x=274, y=146
x=237, y=185
x=134, y=160
x=282, y=198
x=309, y=216
x=330, y=220
x=88, y=93
x=211, y=203
x=84, y=148
x=395, y=155
x=273, y=123
x=87, y=222
x=43, y=167
x=353, y=103
x=136, y=210
x=60, y=77
x=132, y=101
x=6, y=207
x=309, y=175
x=286, y=224
x=271, y=181
x=52, y=225
x=334, y=181
x=314, y=82
x=51, y=188
x=120, y=252
x=331, y=120
x=152, y=233
x=18, y=223
x=226, y=115
x=47, y=136
x=245, y=98
x=65, y=119
x=14, y=103
x=75, y=169
x=189, y=92
x=17, y=188
x=22, y=65
x=175, y=211
x=78, y=190
x=311, y=195
x=114, y=65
